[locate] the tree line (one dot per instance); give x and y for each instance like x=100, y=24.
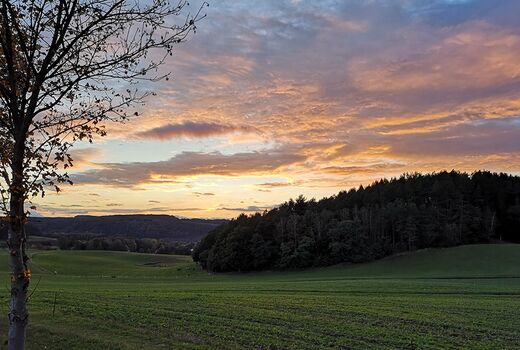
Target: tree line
x=124, y=244
x=85, y=241
x=402, y=214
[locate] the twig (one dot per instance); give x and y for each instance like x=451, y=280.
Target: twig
x=35, y=287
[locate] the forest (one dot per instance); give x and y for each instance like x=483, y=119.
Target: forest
x=123, y=244
x=414, y=211
x=85, y=241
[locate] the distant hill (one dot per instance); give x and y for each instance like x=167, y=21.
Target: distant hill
x=165, y=227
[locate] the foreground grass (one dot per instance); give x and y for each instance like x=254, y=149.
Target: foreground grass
x=464, y=297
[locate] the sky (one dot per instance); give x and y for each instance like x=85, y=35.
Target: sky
x=273, y=99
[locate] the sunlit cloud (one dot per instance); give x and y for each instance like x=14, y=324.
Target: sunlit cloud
x=191, y=130
x=252, y=208
x=85, y=157
x=189, y=164
x=199, y=194
x=278, y=98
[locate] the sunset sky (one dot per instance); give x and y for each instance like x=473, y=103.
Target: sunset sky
x=272, y=99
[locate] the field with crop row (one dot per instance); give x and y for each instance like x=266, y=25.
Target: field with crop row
x=464, y=297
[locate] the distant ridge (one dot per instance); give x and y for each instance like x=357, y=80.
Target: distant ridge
x=165, y=227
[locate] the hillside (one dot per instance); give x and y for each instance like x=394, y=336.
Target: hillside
x=468, y=261
x=415, y=211
x=165, y=227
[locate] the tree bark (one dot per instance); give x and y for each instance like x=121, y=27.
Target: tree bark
x=20, y=274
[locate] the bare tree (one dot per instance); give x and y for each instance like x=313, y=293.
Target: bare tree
x=66, y=68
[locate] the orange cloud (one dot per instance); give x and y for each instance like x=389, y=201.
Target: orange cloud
x=191, y=130
x=188, y=164
x=476, y=55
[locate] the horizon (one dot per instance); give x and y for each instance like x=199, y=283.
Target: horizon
x=252, y=212
x=272, y=100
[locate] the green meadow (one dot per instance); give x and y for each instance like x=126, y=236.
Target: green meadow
x=462, y=297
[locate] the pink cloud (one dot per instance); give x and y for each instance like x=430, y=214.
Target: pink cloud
x=191, y=130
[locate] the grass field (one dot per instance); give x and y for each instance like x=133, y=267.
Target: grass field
x=464, y=297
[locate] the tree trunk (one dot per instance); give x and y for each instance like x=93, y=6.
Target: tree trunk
x=20, y=274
